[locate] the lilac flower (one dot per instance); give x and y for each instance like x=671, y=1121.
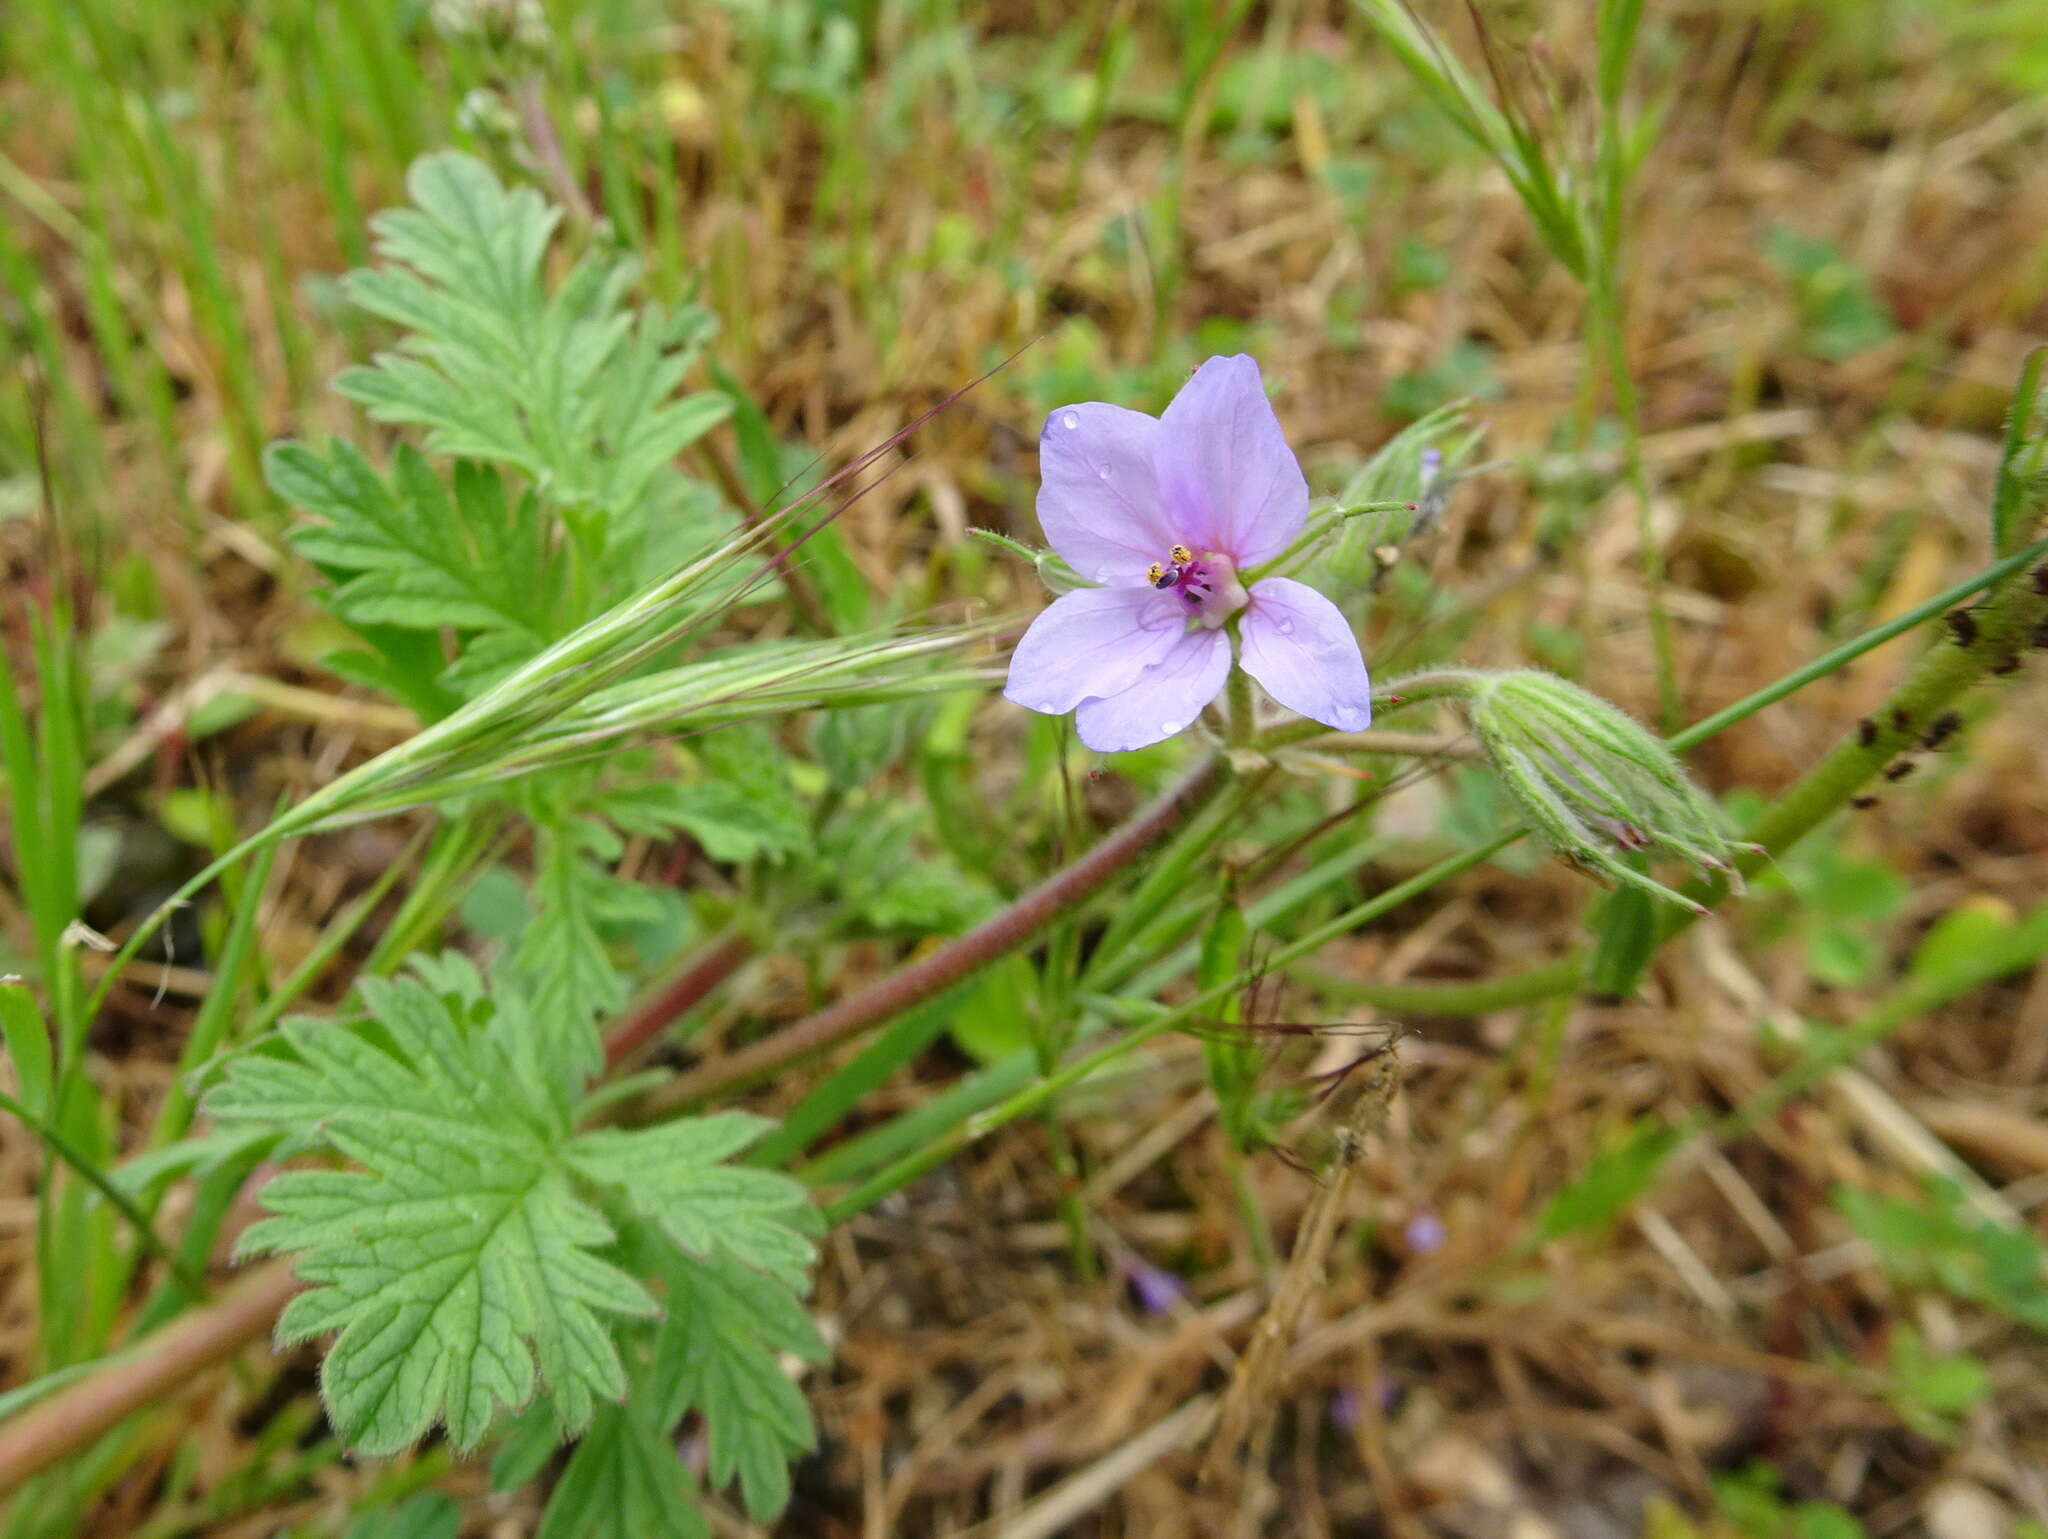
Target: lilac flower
x=1424, y=1233
x=1157, y=1289
x=1165, y=512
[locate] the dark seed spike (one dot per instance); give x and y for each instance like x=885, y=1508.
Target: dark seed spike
x=1866, y=732
x=1862, y=803
x=1900, y=770
x=2039, y=578
x=1901, y=720
x=1944, y=728
x=2010, y=663
x=1963, y=626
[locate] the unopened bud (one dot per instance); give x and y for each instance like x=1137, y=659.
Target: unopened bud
x=485, y=114
x=1594, y=782
x=514, y=24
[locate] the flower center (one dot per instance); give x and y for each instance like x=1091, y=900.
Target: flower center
x=1207, y=585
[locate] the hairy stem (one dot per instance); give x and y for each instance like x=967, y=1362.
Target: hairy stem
x=933, y=974
x=75, y=1417
x=680, y=994
x=1191, y=1009
x=1996, y=632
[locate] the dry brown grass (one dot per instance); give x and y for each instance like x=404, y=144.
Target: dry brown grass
x=1445, y=1391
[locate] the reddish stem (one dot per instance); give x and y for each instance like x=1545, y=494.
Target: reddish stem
x=74, y=1417
x=955, y=960
x=663, y=1008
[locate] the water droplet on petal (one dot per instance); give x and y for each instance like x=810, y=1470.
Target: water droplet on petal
x=1169, y=726
x=1102, y=471
x=1070, y=422
x=1287, y=627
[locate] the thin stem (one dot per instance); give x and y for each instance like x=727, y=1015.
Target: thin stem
x=145, y=1231
x=334, y=934
x=995, y=937
x=803, y=593
x=1850, y=650
x=675, y=998
x=1238, y=698
x=1258, y=1228
x=1196, y=1005
x=1480, y=998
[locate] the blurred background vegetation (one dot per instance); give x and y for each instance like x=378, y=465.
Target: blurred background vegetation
x=1827, y=1323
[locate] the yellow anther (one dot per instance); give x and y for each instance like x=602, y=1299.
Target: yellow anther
x=1182, y=554
x=1154, y=572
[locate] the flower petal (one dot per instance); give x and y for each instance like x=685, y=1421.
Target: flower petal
x=1299, y=646
x=1166, y=699
x=1098, y=493
x=1093, y=641
x=1227, y=479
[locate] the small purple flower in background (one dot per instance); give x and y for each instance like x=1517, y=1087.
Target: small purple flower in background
x=1347, y=1409
x=1157, y=1289
x=1424, y=1233
x=1165, y=512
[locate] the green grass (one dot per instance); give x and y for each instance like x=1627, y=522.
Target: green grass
x=1674, y=222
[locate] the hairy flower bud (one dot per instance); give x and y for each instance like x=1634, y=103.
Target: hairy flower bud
x=1592, y=781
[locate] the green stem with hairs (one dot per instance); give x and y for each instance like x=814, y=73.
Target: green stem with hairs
x=1319, y=527
x=1999, y=628
x=1029, y=1100
x=1238, y=698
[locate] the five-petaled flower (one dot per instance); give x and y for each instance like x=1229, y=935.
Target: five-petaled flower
x=1165, y=512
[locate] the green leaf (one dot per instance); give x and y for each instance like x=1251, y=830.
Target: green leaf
x=470, y=1269
x=674, y=1177
x=406, y=665
x=993, y=1021
x=872, y=855
x=28, y=1045
x=1842, y=956
x=567, y=386
x=1233, y=1061
x=563, y=954
x=1824, y=1520
x=856, y=744
x=722, y=1338
x=1840, y=311
x=732, y=822
x=407, y=555
x=459, y=1265
x=1932, y=1243
x=1615, y=1178
x=625, y=1481
x=1847, y=887
x=1944, y=1386
x=426, y=1515
x=1953, y=942
x=746, y=808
